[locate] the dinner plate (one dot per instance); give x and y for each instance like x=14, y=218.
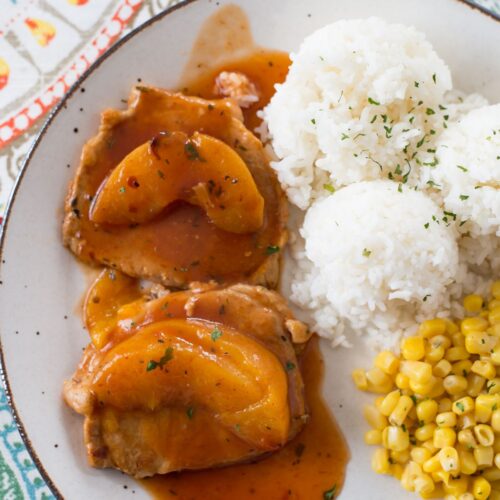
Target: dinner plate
x=42, y=284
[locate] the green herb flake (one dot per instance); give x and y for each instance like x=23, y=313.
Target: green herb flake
x=434, y=77
x=462, y=168
x=190, y=412
x=191, y=151
x=122, y=189
x=460, y=406
x=161, y=175
x=313, y=121
x=414, y=399
x=373, y=101
x=330, y=494
x=430, y=111
x=329, y=188
x=366, y=252
x=426, y=225
x=416, y=84
x=289, y=366
x=216, y=334
x=400, y=188
x=167, y=356
x=426, y=297
x=463, y=197
x=272, y=249
x=343, y=137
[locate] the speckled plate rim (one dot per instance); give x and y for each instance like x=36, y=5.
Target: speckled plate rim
x=39, y=138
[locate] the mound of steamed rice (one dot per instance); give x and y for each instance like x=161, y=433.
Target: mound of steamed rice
x=374, y=259
x=363, y=100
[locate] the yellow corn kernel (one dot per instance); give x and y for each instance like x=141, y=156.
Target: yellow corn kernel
x=448, y=458
x=424, y=484
x=473, y=303
x=400, y=412
x=378, y=381
x=380, y=461
x=432, y=465
x=481, y=488
x=456, y=353
x=429, y=445
x=420, y=454
x=492, y=474
x=495, y=494
x=434, y=354
x=467, y=462
x=466, y=438
x=483, y=456
x=397, y=471
x=484, y=314
x=467, y=421
x=484, y=407
x=469, y=325
x=400, y=457
x=412, y=415
x=444, y=404
x=475, y=384
x=493, y=386
x=387, y=362
x=446, y=419
x=493, y=303
x=444, y=437
x=494, y=329
x=359, y=378
x=456, y=487
x=402, y=381
x=389, y=403
x=437, y=388
x=495, y=420
x=495, y=289
x=432, y=327
x=411, y=471
x=374, y=418
x=418, y=371
x=395, y=438
x=373, y=436
x=494, y=315
x=427, y=410
x=461, y=367
x=480, y=342
x=495, y=355
x=463, y=405
x=425, y=432
x=484, y=369
x=440, y=341
x=455, y=384
x=378, y=401
x=496, y=444
x=413, y=348
x=484, y=435
x=441, y=476
x=423, y=389
x=496, y=460
x=442, y=368
x=458, y=339
x=465, y=496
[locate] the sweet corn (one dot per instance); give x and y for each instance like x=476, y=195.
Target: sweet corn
x=429, y=445
x=493, y=303
x=374, y=418
x=400, y=412
x=468, y=420
x=475, y=384
x=455, y=384
x=461, y=367
x=389, y=403
x=441, y=476
x=423, y=389
x=427, y=410
x=380, y=461
x=444, y=437
x=481, y=488
x=434, y=354
x=469, y=325
x=378, y=380
x=495, y=420
x=396, y=470
x=395, y=438
x=492, y=474
x=495, y=289
x=442, y=368
x=493, y=386
x=419, y=371
x=458, y=339
x=448, y=458
x=402, y=381
x=463, y=405
x=360, y=379
x=444, y=404
x=420, y=454
x=480, y=342
x=484, y=369
x=484, y=435
x=466, y=438
x=467, y=461
x=494, y=316
x=424, y=484
x=425, y=432
x=483, y=456
x=432, y=465
x=456, y=487
x=495, y=355
x=413, y=348
x=432, y=327
x=473, y=303
x=446, y=419
x=494, y=329
x=484, y=407
x=400, y=457
x=387, y=362
x=456, y=353
x=373, y=436
x=496, y=444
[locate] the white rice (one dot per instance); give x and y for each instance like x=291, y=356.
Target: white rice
x=366, y=100
x=369, y=261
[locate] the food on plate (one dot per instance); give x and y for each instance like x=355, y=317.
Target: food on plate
x=191, y=380
x=178, y=243
x=238, y=86
x=367, y=102
x=437, y=418
x=374, y=257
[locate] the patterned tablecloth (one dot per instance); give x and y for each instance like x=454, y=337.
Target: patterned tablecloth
x=45, y=45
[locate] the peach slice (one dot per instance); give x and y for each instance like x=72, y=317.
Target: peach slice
x=200, y=170
x=200, y=365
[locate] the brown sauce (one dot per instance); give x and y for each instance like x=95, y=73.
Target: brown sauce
x=307, y=467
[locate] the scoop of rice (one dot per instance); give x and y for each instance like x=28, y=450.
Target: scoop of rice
x=467, y=176
x=374, y=259
x=362, y=99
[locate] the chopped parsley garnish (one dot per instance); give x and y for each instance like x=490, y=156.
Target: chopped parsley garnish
x=122, y=189
x=373, y=119
x=190, y=412
x=152, y=364
x=434, y=77
x=366, y=252
x=216, y=334
x=432, y=184
x=463, y=197
x=313, y=121
x=426, y=225
x=426, y=297
x=388, y=132
x=329, y=187
x=450, y=214
x=462, y=168
x=289, y=366
x=400, y=188
x=272, y=249
x=161, y=175
x=420, y=142
x=430, y=111
x=330, y=494
x=460, y=406
x=343, y=137
x=372, y=101
x=414, y=399
x=416, y=84
x=191, y=151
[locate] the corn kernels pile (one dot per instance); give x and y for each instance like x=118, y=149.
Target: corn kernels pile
x=437, y=420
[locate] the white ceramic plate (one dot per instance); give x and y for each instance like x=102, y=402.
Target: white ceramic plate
x=41, y=283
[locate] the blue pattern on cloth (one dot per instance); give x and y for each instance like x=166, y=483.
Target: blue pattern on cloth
x=19, y=477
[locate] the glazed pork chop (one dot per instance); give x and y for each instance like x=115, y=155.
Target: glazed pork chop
x=194, y=379
x=187, y=235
